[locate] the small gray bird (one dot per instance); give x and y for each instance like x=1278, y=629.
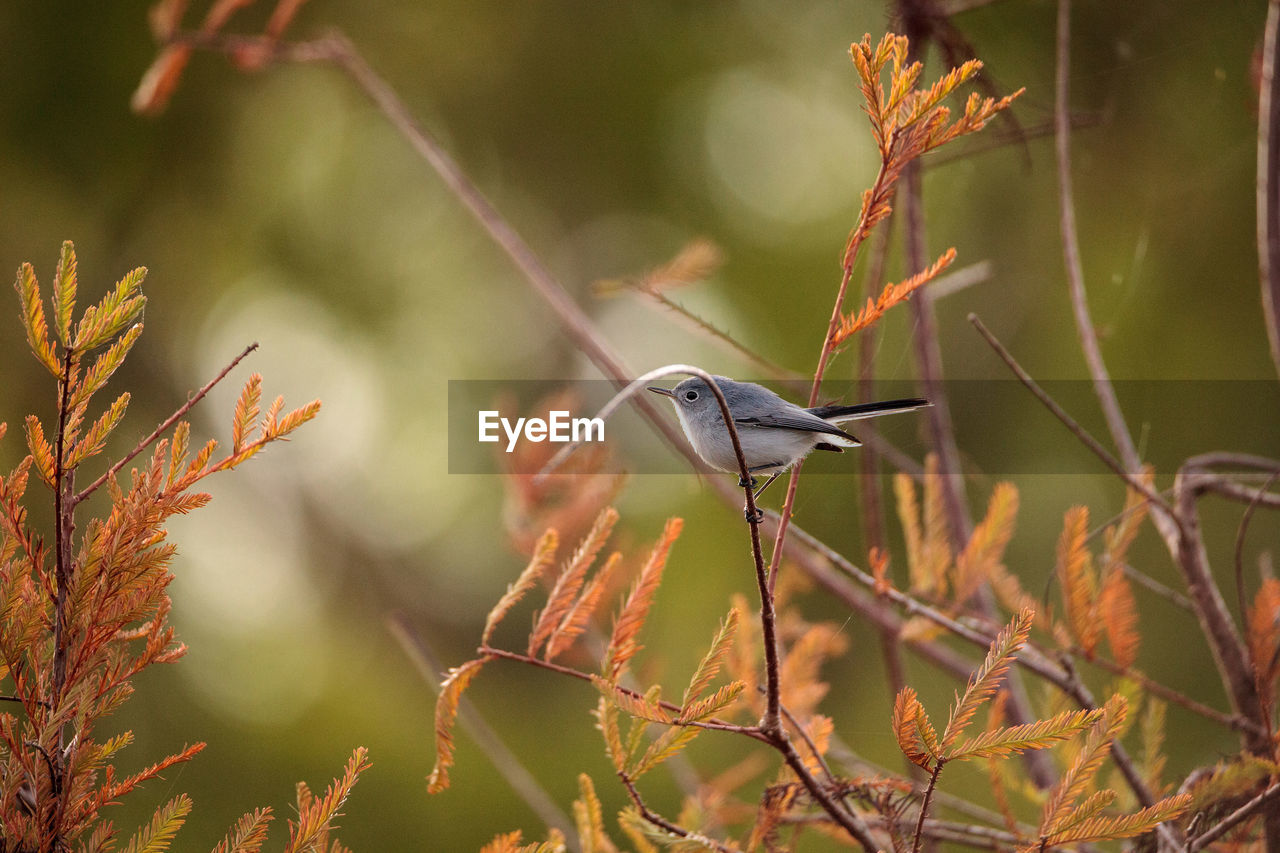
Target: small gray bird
x=774, y=433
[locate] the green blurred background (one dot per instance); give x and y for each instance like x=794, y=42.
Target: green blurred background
x=280, y=207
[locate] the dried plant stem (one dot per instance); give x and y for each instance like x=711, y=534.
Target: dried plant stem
x=1149, y=583
x=1071, y=249
x=1231, y=721
x=929, y=363
x=1268, y=181
x=924, y=806
x=1238, y=555
x=790, y=377
x=64, y=519
x=872, y=515
x=160, y=430
x=941, y=429
x=1215, y=621
x=1132, y=481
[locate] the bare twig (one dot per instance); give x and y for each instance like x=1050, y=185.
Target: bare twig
x=1231, y=721
x=869, y=485
x=929, y=362
x=924, y=805
x=1241, y=603
x=1071, y=249
x=1152, y=585
x=160, y=430
x=1268, y=181
x=1215, y=621
x=1069, y=422
x=790, y=377
x=1236, y=817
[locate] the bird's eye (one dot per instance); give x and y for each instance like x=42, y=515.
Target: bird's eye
x=691, y=395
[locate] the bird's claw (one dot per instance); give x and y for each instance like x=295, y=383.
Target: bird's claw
x=758, y=517
x=750, y=481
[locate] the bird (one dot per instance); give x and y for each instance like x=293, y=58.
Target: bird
x=774, y=433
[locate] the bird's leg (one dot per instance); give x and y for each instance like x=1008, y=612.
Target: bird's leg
x=759, y=514
x=756, y=494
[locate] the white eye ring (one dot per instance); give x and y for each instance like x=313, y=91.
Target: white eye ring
x=691, y=395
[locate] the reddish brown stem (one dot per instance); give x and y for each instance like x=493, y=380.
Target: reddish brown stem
x=924, y=806
x=160, y=430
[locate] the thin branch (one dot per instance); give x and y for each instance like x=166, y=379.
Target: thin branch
x=1243, y=494
x=808, y=742
x=1152, y=585
x=1002, y=138
x=1241, y=532
x=869, y=484
x=1216, y=623
x=64, y=518
x=160, y=430
x=927, y=341
x=924, y=805
x=790, y=377
x=1268, y=180
x=1071, y=249
x=1069, y=422
x=849, y=821
x=1231, y=721
x=925, y=336
x=1236, y=817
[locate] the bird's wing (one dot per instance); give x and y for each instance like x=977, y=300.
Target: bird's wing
x=798, y=420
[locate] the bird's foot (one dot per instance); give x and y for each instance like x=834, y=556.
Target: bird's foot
x=751, y=481
x=757, y=518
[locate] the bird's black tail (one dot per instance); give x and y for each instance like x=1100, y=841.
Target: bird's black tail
x=840, y=414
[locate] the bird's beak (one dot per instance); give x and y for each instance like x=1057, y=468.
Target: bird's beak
x=666, y=392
